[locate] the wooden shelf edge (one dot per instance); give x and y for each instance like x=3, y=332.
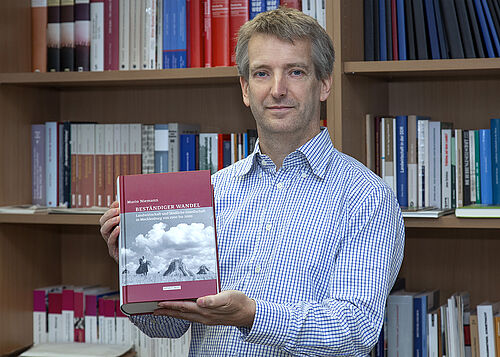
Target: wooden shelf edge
x=121, y=78
x=474, y=67
x=451, y=221
x=57, y=219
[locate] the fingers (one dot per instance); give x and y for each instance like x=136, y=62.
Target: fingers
x=108, y=221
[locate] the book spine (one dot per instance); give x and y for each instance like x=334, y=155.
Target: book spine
x=124, y=149
x=443, y=41
x=423, y=160
x=97, y=35
x=207, y=32
x=135, y=35
x=148, y=149
x=51, y=168
x=39, y=35
x=239, y=14
x=402, y=160
x=88, y=137
x=453, y=149
x=67, y=35
x=491, y=25
x=417, y=327
x=38, y=193
x=60, y=162
x=401, y=30
x=446, y=168
x=472, y=166
x=65, y=199
x=412, y=162
x=53, y=36
x=68, y=315
x=273, y=5
x=431, y=25
x=465, y=29
x=369, y=33
x=466, y=168
x=188, y=152
x=477, y=168
x=495, y=159
x=459, y=167
x=91, y=319
x=74, y=163
x=79, y=317
x=484, y=29
x=124, y=35
x=485, y=330
x=159, y=34
x=109, y=320
x=55, y=331
x=435, y=164
x=420, y=30
x=220, y=28
x=452, y=30
x=111, y=35
x=100, y=165
x=116, y=156
x=108, y=164
x=394, y=29
x=148, y=35
x=39, y=316
x=195, y=31
x=258, y=6
x=293, y=4
x=82, y=35
x=175, y=35
x=161, y=148
x=320, y=11
x=135, y=149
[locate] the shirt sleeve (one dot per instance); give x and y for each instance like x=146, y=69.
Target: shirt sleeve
x=348, y=323
x=160, y=326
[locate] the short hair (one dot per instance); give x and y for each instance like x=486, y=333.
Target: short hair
x=287, y=24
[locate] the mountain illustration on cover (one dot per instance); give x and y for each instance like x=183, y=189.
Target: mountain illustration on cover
x=162, y=254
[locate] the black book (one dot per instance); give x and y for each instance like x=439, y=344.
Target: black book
x=376, y=27
x=410, y=31
x=420, y=30
x=53, y=36
x=443, y=41
x=67, y=36
x=388, y=28
x=369, y=31
x=452, y=30
x=465, y=29
x=494, y=17
x=476, y=31
x=82, y=46
x=466, y=167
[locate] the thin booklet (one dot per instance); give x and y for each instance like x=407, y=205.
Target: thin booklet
x=168, y=244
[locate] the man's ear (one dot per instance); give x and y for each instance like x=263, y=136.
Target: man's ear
x=326, y=86
x=244, y=91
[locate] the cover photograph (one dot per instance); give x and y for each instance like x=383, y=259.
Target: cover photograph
x=168, y=248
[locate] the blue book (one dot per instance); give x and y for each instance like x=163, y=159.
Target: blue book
x=402, y=159
x=188, y=152
x=485, y=166
x=495, y=159
x=432, y=27
x=256, y=7
x=484, y=29
x=272, y=4
x=382, y=33
x=174, y=34
x=419, y=324
x=245, y=145
x=161, y=148
x=491, y=25
x=400, y=14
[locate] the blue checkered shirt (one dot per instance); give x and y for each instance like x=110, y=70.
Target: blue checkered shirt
x=317, y=244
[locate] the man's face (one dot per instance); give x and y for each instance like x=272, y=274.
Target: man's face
x=282, y=90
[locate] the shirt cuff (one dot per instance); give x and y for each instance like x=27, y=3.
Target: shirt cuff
x=270, y=326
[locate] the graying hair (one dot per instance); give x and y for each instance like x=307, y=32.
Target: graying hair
x=287, y=25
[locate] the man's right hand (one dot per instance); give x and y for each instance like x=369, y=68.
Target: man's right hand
x=110, y=229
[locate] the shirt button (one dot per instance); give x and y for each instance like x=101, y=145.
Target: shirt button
x=280, y=185
x=303, y=175
x=257, y=268
x=260, y=175
x=268, y=226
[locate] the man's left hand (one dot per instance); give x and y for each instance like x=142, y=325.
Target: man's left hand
x=231, y=307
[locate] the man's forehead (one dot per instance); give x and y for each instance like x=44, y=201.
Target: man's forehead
x=266, y=48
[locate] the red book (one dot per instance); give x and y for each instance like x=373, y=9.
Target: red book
x=239, y=15
x=220, y=33
x=68, y=314
x=295, y=4
x=167, y=239
x=394, y=23
x=195, y=33
x=220, y=151
x=207, y=32
x=111, y=35
x=39, y=35
x=79, y=316
x=55, y=331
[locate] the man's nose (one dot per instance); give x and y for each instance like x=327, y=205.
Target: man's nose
x=279, y=88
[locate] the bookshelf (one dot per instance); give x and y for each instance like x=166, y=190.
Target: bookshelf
x=36, y=250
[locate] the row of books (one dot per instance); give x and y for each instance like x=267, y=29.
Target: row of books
x=97, y=35
x=429, y=164
x=75, y=165
x=416, y=324
x=91, y=314
x=431, y=29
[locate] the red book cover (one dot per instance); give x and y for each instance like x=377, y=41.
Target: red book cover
x=79, y=316
x=111, y=35
x=394, y=23
x=295, y=4
x=39, y=35
x=195, y=31
x=220, y=151
x=239, y=15
x=207, y=32
x=220, y=33
x=167, y=239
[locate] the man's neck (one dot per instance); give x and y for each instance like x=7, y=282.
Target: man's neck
x=279, y=146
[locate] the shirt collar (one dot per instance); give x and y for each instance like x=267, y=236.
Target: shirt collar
x=316, y=153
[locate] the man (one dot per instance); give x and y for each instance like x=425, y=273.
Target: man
x=310, y=241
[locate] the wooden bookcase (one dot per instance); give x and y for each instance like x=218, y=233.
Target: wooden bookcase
x=36, y=250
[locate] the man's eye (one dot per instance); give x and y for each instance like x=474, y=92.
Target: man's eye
x=297, y=72
x=260, y=74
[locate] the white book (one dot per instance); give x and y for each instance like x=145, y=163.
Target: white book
x=389, y=157
x=136, y=9
x=124, y=35
x=446, y=168
x=51, y=167
x=74, y=164
x=55, y=333
x=116, y=154
x=382, y=148
x=148, y=149
x=148, y=34
x=433, y=331
x=233, y=145
x=108, y=159
x=435, y=164
x=159, y=34
x=486, y=325
x=135, y=148
x=97, y=36
x=472, y=166
x=400, y=324
x=124, y=149
x=412, y=162
x=394, y=155
x=208, y=155
x=309, y=7
x=124, y=330
x=87, y=138
x=321, y=13
x=174, y=132
x=423, y=162
x=110, y=327
x=39, y=327
x=100, y=151
x=459, y=168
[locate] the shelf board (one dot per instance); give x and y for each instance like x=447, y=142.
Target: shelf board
x=215, y=75
x=449, y=221
x=44, y=218
x=471, y=67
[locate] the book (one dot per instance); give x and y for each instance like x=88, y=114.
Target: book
x=452, y=29
x=412, y=161
x=100, y=165
x=395, y=35
x=382, y=30
x=427, y=212
x=195, y=25
x=485, y=166
x=135, y=30
x=82, y=35
x=23, y=209
x=400, y=324
x=174, y=132
x=481, y=17
x=208, y=152
x=491, y=25
x=410, y=31
x=400, y=10
x=67, y=35
x=173, y=212
x=111, y=35
x=434, y=164
x=258, y=6
x=476, y=30
x=161, y=144
x=38, y=164
x=40, y=312
x=207, y=33
x=51, y=160
x=96, y=35
x=69, y=349
x=369, y=33
x=53, y=36
x=432, y=27
x=189, y=158
x=159, y=34
x=148, y=148
x=443, y=42
x=495, y=159
x=124, y=35
x=465, y=29
x=486, y=312
x=402, y=159
x=91, y=312
x=39, y=35
x=420, y=30
x=466, y=168
x=220, y=32
x=55, y=330
x=478, y=211
x=175, y=34
x=148, y=34
x=238, y=15
x=109, y=179
x=446, y=166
